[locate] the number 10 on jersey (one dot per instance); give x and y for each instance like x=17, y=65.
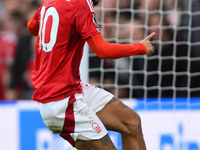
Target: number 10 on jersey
x=49, y=23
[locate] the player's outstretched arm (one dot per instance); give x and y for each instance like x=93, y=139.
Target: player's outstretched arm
x=150, y=48
x=106, y=50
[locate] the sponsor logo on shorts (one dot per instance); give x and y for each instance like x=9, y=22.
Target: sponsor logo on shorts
x=96, y=126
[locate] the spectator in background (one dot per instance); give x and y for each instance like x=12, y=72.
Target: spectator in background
x=109, y=18
x=173, y=7
x=20, y=86
x=130, y=33
x=124, y=4
x=162, y=25
x=193, y=37
x=147, y=5
x=164, y=59
x=12, y=28
x=174, y=16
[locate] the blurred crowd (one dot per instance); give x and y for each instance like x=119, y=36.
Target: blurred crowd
x=172, y=71
x=121, y=21
x=16, y=48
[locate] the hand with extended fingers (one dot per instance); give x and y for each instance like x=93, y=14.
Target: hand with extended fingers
x=150, y=48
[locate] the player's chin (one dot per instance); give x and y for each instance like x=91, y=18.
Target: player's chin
x=95, y=2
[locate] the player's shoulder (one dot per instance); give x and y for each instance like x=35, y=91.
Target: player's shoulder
x=83, y=2
x=86, y=6
x=78, y=7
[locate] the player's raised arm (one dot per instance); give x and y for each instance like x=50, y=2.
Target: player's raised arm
x=34, y=22
x=106, y=50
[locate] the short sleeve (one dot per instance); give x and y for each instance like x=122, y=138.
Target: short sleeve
x=85, y=21
x=86, y=25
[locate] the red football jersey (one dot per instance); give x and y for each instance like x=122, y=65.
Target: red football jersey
x=64, y=27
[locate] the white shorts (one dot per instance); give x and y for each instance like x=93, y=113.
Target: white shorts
x=75, y=117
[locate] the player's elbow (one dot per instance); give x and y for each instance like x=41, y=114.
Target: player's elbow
x=100, y=47
x=102, y=54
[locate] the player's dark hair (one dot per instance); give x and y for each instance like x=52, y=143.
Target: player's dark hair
x=95, y=2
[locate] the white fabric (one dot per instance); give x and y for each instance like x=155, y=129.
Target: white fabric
x=87, y=125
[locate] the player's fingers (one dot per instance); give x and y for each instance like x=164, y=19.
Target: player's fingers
x=149, y=54
x=152, y=51
x=150, y=36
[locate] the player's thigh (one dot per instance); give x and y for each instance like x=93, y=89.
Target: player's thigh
x=118, y=117
x=104, y=143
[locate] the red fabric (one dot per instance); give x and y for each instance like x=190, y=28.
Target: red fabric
x=1, y=86
x=69, y=123
x=107, y=50
x=56, y=74
x=8, y=45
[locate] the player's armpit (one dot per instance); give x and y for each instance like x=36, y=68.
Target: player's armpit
x=106, y=50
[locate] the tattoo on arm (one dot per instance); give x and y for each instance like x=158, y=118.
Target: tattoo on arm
x=106, y=141
x=122, y=105
x=113, y=100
